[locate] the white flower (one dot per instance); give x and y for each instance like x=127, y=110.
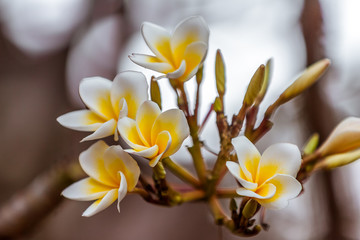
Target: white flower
x=177, y=55
x=112, y=173
x=154, y=135
x=270, y=178
x=108, y=101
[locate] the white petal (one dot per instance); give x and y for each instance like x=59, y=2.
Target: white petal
x=194, y=55
x=101, y=204
x=151, y=62
x=95, y=93
x=287, y=187
x=131, y=86
x=235, y=170
x=145, y=118
x=123, y=108
x=193, y=29
x=175, y=123
x=158, y=40
x=93, y=164
x=81, y=120
x=106, y=129
x=265, y=194
x=122, y=189
x=163, y=141
x=129, y=133
x=281, y=158
x=86, y=189
x=178, y=72
x=117, y=160
x=147, y=153
x=248, y=156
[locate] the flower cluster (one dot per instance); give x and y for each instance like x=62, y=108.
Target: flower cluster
x=123, y=108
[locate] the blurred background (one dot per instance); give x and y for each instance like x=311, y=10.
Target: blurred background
x=48, y=46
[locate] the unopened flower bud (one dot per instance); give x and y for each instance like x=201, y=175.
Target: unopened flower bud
x=345, y=137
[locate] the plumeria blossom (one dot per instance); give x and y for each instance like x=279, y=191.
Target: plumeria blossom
x=112, y=173
x=108, y=101
x=268, y=178
x=179, y=54
x=154, y=134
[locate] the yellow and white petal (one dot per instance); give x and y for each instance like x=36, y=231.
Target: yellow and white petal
x=248, y=156
x=123, y=189
x=193, y=29
x=147, y=153
x=86, y=189
x=194, y=55
x=102, y=203
x=128, y=132
x=145, y=118
x=179, y=72
x=93, y=164
x=175, y=123
x=123, y=108
x=117, y=160
x=151, y=62
x=106, y=129
x=158, y=40
x=131, y=86
x=163, y=141
x=236, y=171
x=287, y=187
x=81, y=120
x=95, y=93
x=281, y=158
x=265, y=192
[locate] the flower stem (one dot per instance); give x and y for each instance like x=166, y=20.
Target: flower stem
x=226, y=193
x=193, y=196
x=180, y=172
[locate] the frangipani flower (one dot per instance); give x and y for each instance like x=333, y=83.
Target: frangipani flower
x=112, y=173
x=345, y=137
x=108, y=101
x=270, y=178
x=179, y=54
x=154, y=135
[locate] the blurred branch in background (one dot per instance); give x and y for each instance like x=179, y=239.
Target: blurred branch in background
x=24, y=211
x=319, y=116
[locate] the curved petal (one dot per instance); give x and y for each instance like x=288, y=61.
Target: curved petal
x=179, y=72
x=175, y=123
x=106, y=129
x=131, y=86
x=101, y=204
x=248, y=156
x=81, y=120
x=86, y=189
x=281, y=158
x=158, y=40
x=128, y=132
x=145, y=118
x=236, y=171
x=117, y=160
x=193, y=29
x=92, y=162
x=123, y=108
x=194, y=55
x=95, y=93
x=151, y=62
x=265, y=192
x=147, y=153
x=287, y=187
x=163, y=141
x=123, y=189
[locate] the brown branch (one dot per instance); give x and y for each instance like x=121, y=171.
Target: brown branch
x=29, y=207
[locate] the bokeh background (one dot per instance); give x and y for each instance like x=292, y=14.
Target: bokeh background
x=48, y=46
